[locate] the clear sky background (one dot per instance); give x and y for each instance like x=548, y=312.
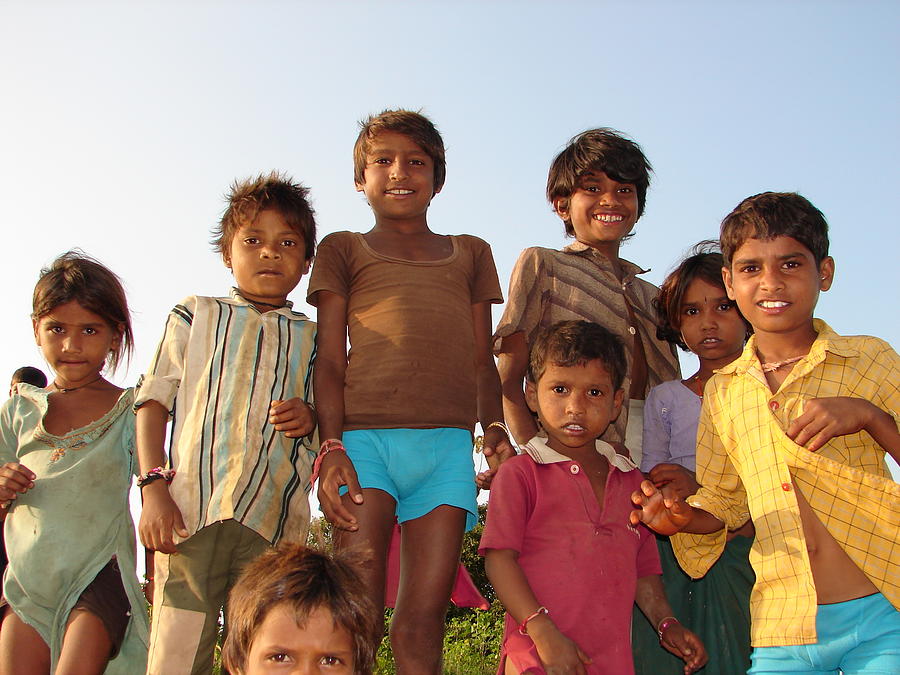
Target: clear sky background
x=123, y=123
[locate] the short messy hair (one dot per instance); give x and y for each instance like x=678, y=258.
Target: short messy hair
x=412, y=124
x=276, y=191
x=775, y=214
x=605, y=150
x=704, y=261
x=303, y=580
x=574, y=343
x=30, y=375
x=76, y=276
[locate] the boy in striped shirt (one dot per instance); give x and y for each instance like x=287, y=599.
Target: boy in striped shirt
x=233, y=374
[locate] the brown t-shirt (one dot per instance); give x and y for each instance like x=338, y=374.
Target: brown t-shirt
x=411, y=362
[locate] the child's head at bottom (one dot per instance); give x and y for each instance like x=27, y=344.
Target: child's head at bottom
x=574, y=380
x=296, y=606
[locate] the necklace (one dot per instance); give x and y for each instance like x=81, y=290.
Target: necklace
x=66, y=390
x=775, y=365
x=700, y=384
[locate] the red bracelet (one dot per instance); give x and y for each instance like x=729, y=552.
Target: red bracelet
x=330, y=445
x=665, y=624
x=523, y=627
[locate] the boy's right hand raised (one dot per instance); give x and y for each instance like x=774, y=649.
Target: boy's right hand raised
x=160, y=517
x=665, y=516
x=15, y=479
x=336, y=471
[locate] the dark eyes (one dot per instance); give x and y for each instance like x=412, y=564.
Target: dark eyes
x=595, y=392
x=559, y=389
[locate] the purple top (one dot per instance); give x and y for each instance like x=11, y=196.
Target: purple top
x=671, y=414
x=581, y=560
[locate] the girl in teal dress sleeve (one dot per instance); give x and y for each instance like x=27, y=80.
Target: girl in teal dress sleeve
x=70, y=593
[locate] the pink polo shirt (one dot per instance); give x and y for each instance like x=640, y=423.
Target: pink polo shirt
x=582, y=562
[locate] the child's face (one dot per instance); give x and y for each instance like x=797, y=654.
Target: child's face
x=267, y=257
x=776, y=285
x=75, y=342
x=710, y=324
x=399, y=177
x=318, y=646
x=601, y=210
x=575, y=404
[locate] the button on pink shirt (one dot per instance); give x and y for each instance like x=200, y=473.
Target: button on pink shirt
x=582, y=562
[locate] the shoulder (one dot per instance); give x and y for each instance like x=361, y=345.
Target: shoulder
x=665, y=390
x=515, y=468
x=339, y=241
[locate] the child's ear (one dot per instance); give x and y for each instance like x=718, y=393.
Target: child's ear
x=726, y=278
x=826, y=273
x=561, y=206
x=37, y=336
x=306, y=265
x=360, y=187
x=531, y=396
x=618, y=399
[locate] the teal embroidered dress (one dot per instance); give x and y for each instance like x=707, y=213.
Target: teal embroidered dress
x=73, y=521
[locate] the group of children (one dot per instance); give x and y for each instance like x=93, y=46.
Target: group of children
x=784, y=443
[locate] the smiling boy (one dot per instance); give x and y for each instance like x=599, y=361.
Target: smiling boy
x=793, y=435
x=234, y=374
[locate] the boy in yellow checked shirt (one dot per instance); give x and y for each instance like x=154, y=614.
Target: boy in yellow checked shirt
x=792, y=435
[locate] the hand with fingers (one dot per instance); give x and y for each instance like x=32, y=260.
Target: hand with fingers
x=826, y=418
x=335, y=472
x=559, y=654
x=686, y=645
x=160, y=519
x=293, y=417
x=663, y=515
x=674, y=481
x=15, y=479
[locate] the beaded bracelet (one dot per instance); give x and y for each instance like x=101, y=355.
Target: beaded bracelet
x=158, y=473
x=523, y=627
x=330, y=445
x=665, y=624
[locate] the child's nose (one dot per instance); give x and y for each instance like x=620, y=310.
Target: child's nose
x=269, y=251
x=398, y=170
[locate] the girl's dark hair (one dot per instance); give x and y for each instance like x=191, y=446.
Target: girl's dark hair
x=703, y=262
x=76, y=276
x=302, y=580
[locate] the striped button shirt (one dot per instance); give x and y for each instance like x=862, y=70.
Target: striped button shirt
x=219, y=365
x=750, y=468
x=578, y=283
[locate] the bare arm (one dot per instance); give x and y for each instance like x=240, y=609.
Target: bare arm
x=328, y=384
x=558, y=653
x=512, y=364
x=159, y=515
x=497, y=446
x=650, y=598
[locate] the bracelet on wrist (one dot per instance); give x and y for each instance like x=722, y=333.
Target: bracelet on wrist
x=665, y=624
x=479, y=440
x=158, y=473
x=523, y=627
x=330, y=445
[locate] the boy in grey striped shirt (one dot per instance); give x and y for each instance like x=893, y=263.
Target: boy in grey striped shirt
x=234, y=376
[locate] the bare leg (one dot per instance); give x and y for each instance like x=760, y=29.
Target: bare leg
x=86, y=645
x=429, y=556
x=22, y=649
x=375, y=518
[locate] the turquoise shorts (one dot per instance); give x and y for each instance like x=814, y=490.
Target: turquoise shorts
x=857, y=636
x=420, y=468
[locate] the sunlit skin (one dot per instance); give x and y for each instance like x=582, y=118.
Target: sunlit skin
x=75, y=343
x=602, y=211
x=318, y=645
x=398, y=181
x=267, y=258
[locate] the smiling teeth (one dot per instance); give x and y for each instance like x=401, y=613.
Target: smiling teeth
x=608, y=218
x=398, y=191
x=772, y=304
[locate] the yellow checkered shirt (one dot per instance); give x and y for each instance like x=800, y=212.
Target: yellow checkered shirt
x=749, y=468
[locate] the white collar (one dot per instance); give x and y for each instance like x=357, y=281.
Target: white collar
x=542, y=453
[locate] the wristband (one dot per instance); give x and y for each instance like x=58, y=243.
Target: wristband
x=523, y=627
x=158, y=473
x=330, y=445
x=665, y=624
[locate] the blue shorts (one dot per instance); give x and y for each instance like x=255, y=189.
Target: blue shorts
x=857, y=636
x=420, y=468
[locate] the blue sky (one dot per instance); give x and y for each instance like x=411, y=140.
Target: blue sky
x=123, y=124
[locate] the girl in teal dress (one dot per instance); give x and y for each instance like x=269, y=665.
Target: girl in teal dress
x=71, y=598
